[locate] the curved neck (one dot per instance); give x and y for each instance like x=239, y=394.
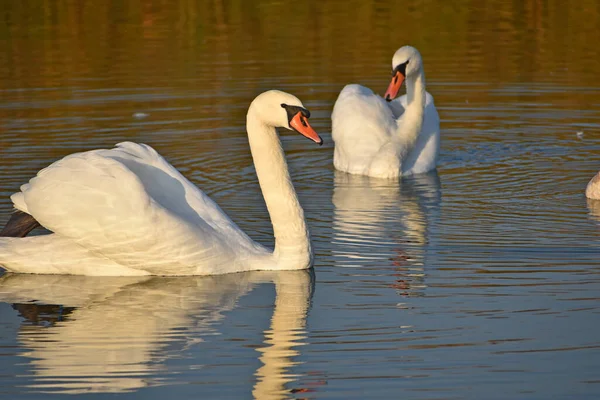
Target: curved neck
x=292, y=241
x=415, y=90
x=411, y=122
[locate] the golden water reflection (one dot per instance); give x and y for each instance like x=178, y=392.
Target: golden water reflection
x=63, y=47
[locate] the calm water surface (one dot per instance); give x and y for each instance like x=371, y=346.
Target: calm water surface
x=480, y=281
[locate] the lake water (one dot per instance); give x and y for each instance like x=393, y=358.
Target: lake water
x=480, y=281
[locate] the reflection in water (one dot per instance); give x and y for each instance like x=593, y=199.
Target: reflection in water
x=118, y=331
x=594, y=208
x=377, y=221
x=287, y=331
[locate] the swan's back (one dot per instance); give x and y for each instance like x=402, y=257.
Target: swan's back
x=361, y=124
x=130, y=206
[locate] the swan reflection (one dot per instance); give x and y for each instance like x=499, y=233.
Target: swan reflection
x=379, y=221
x=114, y=334
x=594, y=208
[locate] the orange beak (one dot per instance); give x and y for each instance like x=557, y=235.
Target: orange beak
x=394, y=88
x=301, y=125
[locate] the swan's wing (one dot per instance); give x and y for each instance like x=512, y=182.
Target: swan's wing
x=423, y=157
x=361, y=114
x=431, y=124
x=131, y=206
x=161, y=180
x=362, y=123
x=431, y=120
x=398, y=106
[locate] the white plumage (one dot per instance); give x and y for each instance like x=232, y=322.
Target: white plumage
x=387, y=139
x=592, y=191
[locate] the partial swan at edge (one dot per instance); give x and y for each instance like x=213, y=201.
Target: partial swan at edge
x=592, y=190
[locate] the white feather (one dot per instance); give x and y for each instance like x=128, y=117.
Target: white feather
x=386, y=139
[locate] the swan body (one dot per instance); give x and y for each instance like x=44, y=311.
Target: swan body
x=387, y=138
x=126, y=211
x=592, y=191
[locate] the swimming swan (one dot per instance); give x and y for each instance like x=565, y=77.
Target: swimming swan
x=127, y=211
x=387, y=138
x=592, y=191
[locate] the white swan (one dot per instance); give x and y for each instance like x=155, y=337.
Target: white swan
x=387, y=139
x=592, y=191
x=127, y=211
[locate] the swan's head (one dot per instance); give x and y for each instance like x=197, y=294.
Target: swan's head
x=283, y=110
x=405, y=63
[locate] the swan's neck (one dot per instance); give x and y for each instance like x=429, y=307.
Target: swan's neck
x=292, y=241
x=412, y=119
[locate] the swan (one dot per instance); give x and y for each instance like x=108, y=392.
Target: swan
x=387, y=138
x=592, y=191
x=127, y=212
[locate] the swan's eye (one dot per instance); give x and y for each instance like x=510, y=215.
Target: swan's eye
x=401, y=68
x=293, y=111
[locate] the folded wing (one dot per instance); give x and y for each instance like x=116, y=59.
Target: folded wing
x=131, y=206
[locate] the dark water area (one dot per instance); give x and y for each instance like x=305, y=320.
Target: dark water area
x=480, y=280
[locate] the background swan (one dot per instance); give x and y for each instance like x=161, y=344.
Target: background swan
x=387, y=139
x=127, y=211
